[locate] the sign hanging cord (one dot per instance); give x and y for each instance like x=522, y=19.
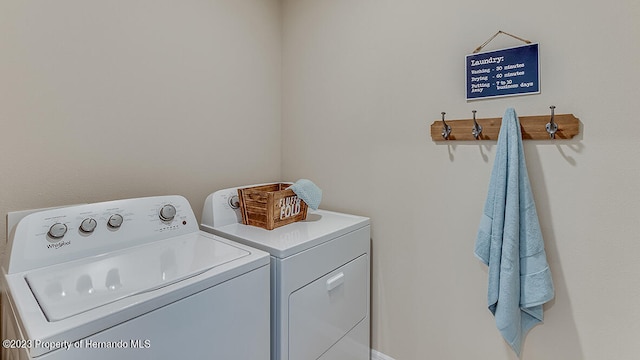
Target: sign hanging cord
x=494, y=36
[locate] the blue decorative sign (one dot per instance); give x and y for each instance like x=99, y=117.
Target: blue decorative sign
x=506, y=72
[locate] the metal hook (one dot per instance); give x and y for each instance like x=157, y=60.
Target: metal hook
x=477, y=129
x=552, y=127
x=446, y=129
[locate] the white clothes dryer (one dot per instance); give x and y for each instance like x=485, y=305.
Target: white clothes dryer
x=131, y=279
x=320, y=297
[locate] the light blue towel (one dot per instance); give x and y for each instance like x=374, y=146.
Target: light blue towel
x=510, y=241
x=309, y=192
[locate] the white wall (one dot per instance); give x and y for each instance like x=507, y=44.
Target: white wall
x=363, y=80
x=102, y=100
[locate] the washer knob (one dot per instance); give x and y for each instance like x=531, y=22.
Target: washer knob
x=57, y=230
x=168, y=212
x=115, y=221
x=88, y=225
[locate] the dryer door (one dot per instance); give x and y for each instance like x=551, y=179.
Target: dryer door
x=322, y=312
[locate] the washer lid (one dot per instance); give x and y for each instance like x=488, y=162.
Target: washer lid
x=319, y=227
x=72, y=288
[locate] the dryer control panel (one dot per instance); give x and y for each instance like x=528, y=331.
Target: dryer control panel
x=63, y=234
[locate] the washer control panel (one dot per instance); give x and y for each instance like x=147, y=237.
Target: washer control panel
x=63, y=234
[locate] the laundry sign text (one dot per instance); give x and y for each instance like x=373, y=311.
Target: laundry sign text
x=506, y=72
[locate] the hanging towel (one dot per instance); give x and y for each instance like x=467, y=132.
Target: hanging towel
x=510, y=241
x=309, y=192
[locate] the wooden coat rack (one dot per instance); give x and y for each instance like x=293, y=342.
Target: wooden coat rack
x=533, y=128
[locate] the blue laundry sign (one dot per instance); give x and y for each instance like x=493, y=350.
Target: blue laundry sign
x=506, y=72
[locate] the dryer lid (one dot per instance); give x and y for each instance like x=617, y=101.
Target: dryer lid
x=320, y=226
x=72, y=288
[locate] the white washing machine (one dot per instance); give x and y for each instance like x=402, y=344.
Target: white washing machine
x=131, y=279
x=319, y=279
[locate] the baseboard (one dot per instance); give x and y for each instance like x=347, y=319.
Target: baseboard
x=376, y=355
